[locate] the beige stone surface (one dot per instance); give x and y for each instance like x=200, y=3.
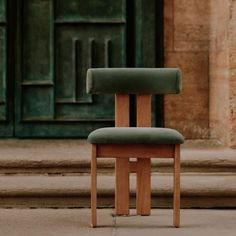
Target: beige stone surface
x=219, y=72
x=207, y=27
x=44, y=157
x=186, y=47
x=55, y=173
x=192, y=12
x=53, y=222
x=195, y=184
x=193, y=222
x=75, y=222
x=232, y=72
x=169, y=25
x=191, y=46
x=197, y=190
x=188, y=111
x=222, y=66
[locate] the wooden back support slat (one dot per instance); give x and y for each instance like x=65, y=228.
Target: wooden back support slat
x=122, y=110
x=122, y=116
x=144, y=110
x=122, y=165
x=143, y=191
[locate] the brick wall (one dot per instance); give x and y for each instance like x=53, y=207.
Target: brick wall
x=186, y=26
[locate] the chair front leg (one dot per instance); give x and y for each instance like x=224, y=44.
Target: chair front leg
x=143, y=192
x=176, y=216
x=94, y=186
x=122, y=186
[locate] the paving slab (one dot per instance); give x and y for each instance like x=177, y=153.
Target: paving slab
x=53, y=222
x=71, y=222
x=193, y=223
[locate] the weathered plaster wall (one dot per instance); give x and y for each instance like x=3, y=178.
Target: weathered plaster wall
x=223, y=71
x=232, y=72
x=187, y=47
x=219, y=65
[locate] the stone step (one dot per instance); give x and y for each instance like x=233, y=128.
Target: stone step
x=73, y=156
x=203, y=190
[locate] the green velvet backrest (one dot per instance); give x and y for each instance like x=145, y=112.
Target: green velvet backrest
x=134, y=80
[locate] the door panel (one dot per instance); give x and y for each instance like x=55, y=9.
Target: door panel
x=90, y=11
x=78, y=48
x=37, y=81
x=60, y=40
x=56, y=42
x=6, y=126
x=3, y=72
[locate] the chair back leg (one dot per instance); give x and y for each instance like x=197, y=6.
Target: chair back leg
x=176, y=215
x=94, y=186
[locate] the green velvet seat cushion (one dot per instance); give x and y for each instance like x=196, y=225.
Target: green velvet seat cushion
x=133, y=135
x=134, y=80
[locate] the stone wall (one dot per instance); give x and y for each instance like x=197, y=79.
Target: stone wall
x=232, y=72
x=222, y=71
x=219, y=65
x=200, y=38
x=186, y=24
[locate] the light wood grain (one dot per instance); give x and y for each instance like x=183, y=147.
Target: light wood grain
x=122, y=187
x=135, y=150
x=144, y=110
x=176, y=213
x=122, y=110
x=94, y=186
x=122, y=113
x=143, y=189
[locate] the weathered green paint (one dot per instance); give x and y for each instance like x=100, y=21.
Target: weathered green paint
x=2, y=61
x=56, y=42
x=37, y=61
x=37, y=44
x=2, y=10
x=2, y=74
x=57, y=48
x=79, y=48
x=6, y=124
x=90, y=11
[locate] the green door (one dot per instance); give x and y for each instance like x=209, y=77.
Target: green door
x=49, y=47
x=6, y=95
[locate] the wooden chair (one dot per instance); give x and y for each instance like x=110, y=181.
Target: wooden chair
x=142, y=142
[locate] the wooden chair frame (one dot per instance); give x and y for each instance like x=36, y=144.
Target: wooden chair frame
x=123, y=166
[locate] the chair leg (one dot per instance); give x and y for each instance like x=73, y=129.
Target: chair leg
x=122, y=187
x=94, y=186
x=143, y=193
x=176, y=216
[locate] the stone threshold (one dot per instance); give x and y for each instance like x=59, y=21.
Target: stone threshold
x=206, y=190
x=73, y=156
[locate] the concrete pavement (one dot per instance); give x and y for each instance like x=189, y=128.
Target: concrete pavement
x=75, y=222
